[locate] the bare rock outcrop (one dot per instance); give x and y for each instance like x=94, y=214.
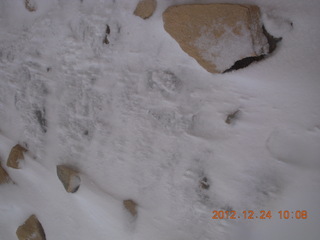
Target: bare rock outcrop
x=31, y=229
x=69, y=178
x=217, y=35
x=15, y=156
x=145, y=8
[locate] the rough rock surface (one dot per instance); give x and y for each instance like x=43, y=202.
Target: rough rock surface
x=217, y=35
x=131, y=206
x=4, y=176
x=31, y=229
x=15, y=156
x=145, y=8
x=69, y=178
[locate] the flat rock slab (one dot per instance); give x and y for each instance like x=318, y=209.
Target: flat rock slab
x=145, y=8
x=15, y=156
x=4, y=176
x=217, y=35
x=69, y=178
x=31, y=229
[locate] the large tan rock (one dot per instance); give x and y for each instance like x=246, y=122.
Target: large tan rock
x=69, y=178
x=217, y=35
x=4, y=176
x=145, y=8
x=15, y=156
x=31, y=229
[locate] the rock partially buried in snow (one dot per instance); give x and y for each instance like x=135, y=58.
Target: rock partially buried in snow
x=15, y=156
x=217, y=35
x=30, y=5
x=69, y=178
x=145, y=8
x=31, y=229
x=131, y=206
x=204, y=183
x=4, y=176
x=232, y=116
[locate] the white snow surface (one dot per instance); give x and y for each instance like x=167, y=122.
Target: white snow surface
x=230, y=47
x=142, y=120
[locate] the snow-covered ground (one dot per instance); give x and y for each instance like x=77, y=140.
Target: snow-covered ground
x=142, y=120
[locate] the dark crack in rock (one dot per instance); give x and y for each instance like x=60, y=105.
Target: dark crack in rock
x=245, y=62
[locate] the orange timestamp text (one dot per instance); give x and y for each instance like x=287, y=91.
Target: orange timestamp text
x=263, y=214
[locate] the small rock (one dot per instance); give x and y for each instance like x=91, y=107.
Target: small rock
x=108, y=29
x=217, y=35
x=204, y=183
x=4, y=176
x=131, y=206
x=30, y=5
x=15, y=156
x=69, y=178
x=31, y=229
x=105, y=40
x=232, y=116
x=145, y=8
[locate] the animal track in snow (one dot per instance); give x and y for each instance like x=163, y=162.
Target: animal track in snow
x=30, y=101
x=170, y=120
x=164, y=82
x=207, y=125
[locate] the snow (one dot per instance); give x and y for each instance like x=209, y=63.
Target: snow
x=232, y=46
x=142, y=120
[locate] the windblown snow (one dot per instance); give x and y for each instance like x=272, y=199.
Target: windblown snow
x=141, y=120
